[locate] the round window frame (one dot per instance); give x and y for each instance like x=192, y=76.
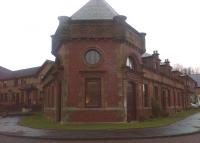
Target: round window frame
x=98, y=51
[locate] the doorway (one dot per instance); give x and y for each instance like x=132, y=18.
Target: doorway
x=131, y=102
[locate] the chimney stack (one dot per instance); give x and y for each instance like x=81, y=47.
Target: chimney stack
x=167, y=62
x=156, y=54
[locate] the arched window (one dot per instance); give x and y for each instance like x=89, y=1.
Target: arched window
x=130, y=63
x=146, y=95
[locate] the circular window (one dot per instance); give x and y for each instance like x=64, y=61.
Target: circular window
x=92, y=57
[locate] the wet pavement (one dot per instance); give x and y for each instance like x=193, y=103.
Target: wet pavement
x=9, y=126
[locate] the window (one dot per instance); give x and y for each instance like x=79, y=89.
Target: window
x=174, y=93
x=146, y=96
x=23, y=81
x=163, y=98
x=92, y=57
x=179, y=99
x=48, y=96
x=52, y=96
x=2, y=97
x=129, y=63
x=93, y=92
x=155, y=66
x=17, y=98
x=22, y=97
x=6, y=98
x=4, y=84
x=169, y=98
x=156, y=93
x=13, y=97
x=16, y=82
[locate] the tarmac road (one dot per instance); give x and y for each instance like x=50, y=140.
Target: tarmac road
x=9, y=128
x=195, y=138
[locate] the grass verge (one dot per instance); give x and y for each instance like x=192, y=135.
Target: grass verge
x=38, y=120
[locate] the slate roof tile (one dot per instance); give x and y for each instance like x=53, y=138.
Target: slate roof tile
x=196, y=77
x=95, y=10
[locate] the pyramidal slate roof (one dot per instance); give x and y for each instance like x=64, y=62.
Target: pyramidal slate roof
x=95, y=10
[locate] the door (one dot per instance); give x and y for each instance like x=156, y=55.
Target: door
x=131, y=102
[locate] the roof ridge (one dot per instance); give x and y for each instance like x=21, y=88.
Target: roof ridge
x=27, y=68
x=1, y=67
x=196, y=74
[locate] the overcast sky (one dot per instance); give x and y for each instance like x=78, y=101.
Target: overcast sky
x=172, y=27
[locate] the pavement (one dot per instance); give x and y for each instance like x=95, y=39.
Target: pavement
x=9, y=126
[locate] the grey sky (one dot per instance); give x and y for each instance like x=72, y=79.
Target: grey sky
x=172, y=28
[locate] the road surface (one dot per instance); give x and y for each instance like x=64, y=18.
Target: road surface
x=195, y=138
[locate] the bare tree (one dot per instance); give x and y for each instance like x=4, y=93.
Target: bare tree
x=178, y=67
x=187, y=70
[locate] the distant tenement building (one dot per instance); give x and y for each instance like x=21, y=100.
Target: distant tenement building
x=22, y=88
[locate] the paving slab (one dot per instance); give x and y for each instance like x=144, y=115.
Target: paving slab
x=9, y=126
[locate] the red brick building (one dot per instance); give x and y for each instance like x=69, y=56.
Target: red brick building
x=196, y=97
x=102, y=73
x=22, y=88
x=169, y=89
